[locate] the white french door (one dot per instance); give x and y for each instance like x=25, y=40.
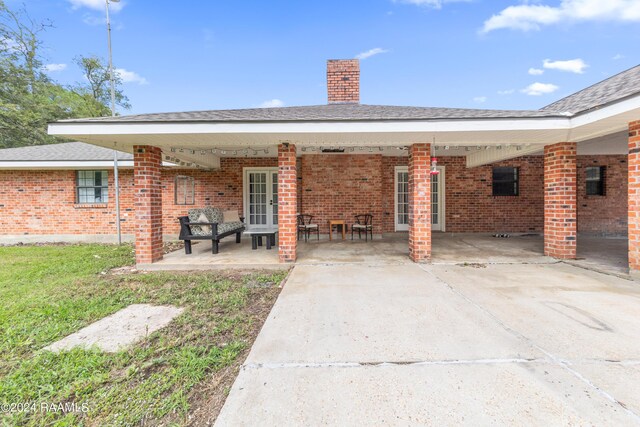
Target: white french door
x=402, y=199
x=261, y=197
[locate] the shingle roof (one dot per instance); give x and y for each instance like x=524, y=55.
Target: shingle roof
x=331, y=112
x=613, y=89
x=66, y=151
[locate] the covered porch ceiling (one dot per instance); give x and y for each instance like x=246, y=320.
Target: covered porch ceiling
x=481, y=140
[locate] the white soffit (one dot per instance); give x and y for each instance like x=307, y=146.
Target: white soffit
x=488, y=154
x=616, y=143
x=206, y=135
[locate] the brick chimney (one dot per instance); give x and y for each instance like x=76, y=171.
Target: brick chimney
x=343, y=81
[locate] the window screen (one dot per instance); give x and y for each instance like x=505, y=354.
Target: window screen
x=505, y=181
x=595, y=180
x=92, y=187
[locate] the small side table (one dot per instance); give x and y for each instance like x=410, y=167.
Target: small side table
x=258, y=233
x=337, y=222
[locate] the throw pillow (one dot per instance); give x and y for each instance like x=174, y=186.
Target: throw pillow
x=231, y=216
x=205, y=228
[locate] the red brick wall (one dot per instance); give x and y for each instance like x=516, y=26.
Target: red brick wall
x=469, y=203
x=287, y=202
x=560, y=200
x=44, y=202
x=608, y=213
x=147, y=202
x=220, y=188
x=420, y=202
x=343, y=81
x=342, y=186
x=471, y=207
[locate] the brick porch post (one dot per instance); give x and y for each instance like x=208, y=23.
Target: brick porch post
x=420, y=202
x=287, y=202
x=147, y=164
x=634, y=198
x=560, y=200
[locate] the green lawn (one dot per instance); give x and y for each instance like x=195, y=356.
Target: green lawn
x=48, y=292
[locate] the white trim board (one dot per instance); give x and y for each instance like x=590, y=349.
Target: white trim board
x=72, y=164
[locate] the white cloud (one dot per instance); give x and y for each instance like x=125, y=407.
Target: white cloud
x=51, y=68
x=618, y=56
x=528, y=17
x=370, y=53
x=435, y=4
x=96, y=4
x=537, y=89
x=130, y=76
x=480, y=99
x=272, y=103
x=90, y=19
x=535, y=71
x=572, y=65
x=506, y=92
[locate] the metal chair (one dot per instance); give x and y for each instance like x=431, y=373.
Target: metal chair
x=363, y=223
x=305, y=226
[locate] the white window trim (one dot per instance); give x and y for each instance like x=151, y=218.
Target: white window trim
x=441, y=191
x=245, y=189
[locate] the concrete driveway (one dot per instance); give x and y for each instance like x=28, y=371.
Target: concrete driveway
x=402, y=344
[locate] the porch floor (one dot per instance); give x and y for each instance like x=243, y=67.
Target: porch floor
x=598, y=253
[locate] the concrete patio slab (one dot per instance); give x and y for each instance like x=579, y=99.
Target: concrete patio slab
x=474, y=394
x=458, y=248
x=120, y=330
x=594, y=252
x=556, y=305
x=497, y=344
x=389, y=313
x=231, y=255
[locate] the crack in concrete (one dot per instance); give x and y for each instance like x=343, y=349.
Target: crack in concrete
x=288, y=365
x=556, y=360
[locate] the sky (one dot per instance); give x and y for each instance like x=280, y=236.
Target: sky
x=199, y=55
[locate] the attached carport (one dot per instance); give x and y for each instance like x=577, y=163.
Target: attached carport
x=485, y=136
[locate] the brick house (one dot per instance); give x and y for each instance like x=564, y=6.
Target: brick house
x=569, y=167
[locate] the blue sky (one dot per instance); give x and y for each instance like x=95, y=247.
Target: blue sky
x=196, y=55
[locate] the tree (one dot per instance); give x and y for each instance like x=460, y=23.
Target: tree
x=24, y=106
x=29, y=99
x=97, y=87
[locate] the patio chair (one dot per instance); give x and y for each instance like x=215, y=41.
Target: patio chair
x=306, y=227
x=364, y=223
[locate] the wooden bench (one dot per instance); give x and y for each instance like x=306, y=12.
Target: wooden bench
x=187, y=234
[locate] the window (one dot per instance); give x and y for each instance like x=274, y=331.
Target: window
x=92, y=187
x=505, y=181
x=184, y=190
x=595, y=180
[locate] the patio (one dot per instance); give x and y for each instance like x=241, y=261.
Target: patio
x=598, y=253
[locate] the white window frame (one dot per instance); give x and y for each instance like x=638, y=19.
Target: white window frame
x=441, y=192
x=245, y=191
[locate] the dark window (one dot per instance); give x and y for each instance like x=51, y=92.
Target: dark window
x=595, y=180
x=92, y=187
x=184, y=190
x=505, y=181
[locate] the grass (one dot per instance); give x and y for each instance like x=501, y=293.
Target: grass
x=48, y=292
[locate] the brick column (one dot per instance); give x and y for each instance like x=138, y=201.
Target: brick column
x=634, y=198
x=287, y=202
x=420, y=202
x=147, y=164
x=560, y=200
